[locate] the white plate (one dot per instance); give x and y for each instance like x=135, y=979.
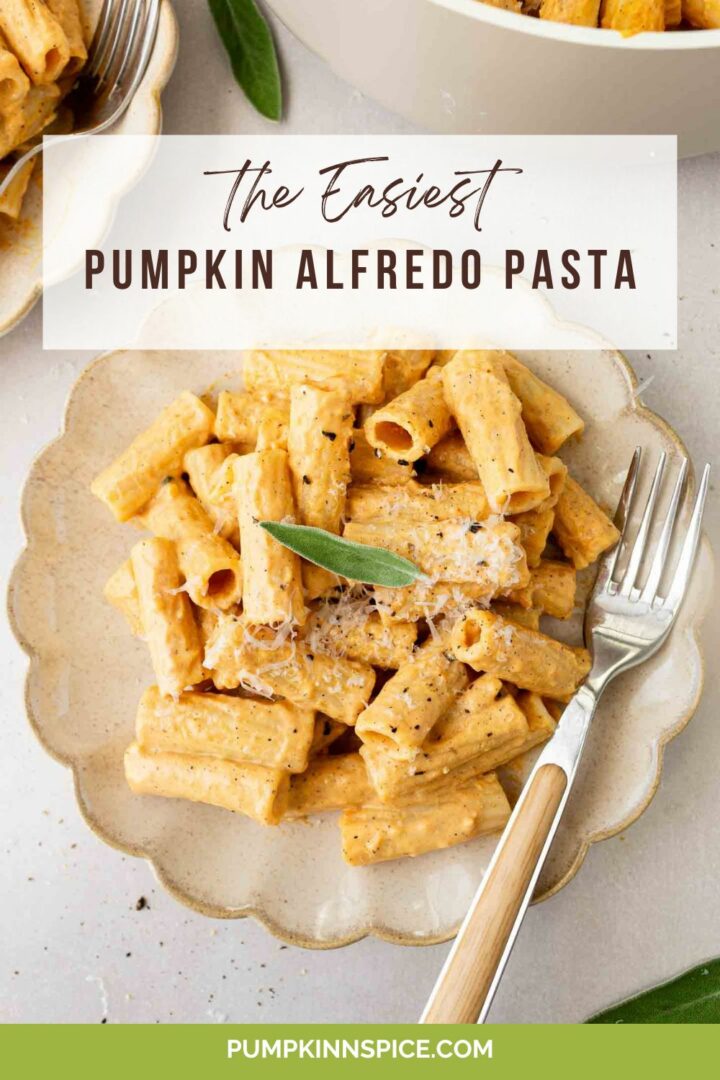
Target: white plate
x=21, y=242
x=86, y=675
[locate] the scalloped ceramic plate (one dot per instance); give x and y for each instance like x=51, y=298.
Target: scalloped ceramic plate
x=86, y=675
x=21, y=242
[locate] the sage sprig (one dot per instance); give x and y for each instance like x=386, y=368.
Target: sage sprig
x=359, y=562
x=249, y=44
x=693, y=998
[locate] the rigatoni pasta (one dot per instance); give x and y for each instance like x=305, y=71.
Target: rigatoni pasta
x=166, y=616
x=210, y=565
x=580, y=527
x=372, y=834
x=409, y=426
x=275, y=734
x=527, y=658
x=272, y=582
x=283, y=690
x=489, y=416
x=253, y=790
x=132, y=480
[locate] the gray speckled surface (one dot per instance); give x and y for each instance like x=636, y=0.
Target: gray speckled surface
x=77, y=946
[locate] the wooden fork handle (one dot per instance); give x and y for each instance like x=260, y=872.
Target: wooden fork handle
x=467, y=978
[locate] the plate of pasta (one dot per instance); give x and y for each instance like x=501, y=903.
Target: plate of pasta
x=335, y=746
x=43, y=48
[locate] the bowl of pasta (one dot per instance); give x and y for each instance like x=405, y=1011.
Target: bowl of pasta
x=336, y=755
x=528, y=66
x=43, y=48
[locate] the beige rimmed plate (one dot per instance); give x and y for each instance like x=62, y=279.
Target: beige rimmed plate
x=86, y=675
x=21, y=242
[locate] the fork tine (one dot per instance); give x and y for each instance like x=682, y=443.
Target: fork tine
x=103, y=57
x=638, y=548
x=622, y=514
x=660, y=556
x=144, y=54
x=131, y=63
x=117, y=65
x=102, y=31
x=687, y=555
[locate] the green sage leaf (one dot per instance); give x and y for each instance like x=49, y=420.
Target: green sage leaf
x=249, y=44
x=693, y=998
x=359, y=562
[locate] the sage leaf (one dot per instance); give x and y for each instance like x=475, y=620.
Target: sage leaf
x=359, y=562
x=692, y=998
x=250, y=47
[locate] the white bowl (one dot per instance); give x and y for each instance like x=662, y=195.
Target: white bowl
x=463, y=66
x=21, y=242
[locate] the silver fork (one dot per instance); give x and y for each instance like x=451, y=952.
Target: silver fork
x=118, y=57
x=625, y=624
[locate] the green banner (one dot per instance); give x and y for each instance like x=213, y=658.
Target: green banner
x=134, y=1052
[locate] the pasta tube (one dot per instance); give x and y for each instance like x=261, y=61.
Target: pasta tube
x=274, y=663
x=67, y=13
x=489, y=416
x=580, y=527
x=121, y=591
x=12, y=198
x=575, y=12
x=359, y=374
x=253, y=790
x=418, y=502
x=403, y=368
x=211, y=566
x=239, y=416
x=272, y=583
x=166, y=615
x=409, y=426
x=275, y=734
x=204, y=467
x=34, y=114
x=374, y=834
x=330, y=783
x=549, y=418
x=704, y=14
x=527, y=658
x=529, y=617
x=674, y=14
x=556, y=472
x=36, y=37
x=131, y=480
x=541, y=723
x=412, y=701
x=480, y=722
x=535, y=527
x=428, y=600
x=273, y=427
x=451, y=459
x=321, y=428
x=319, y=456
x=339, y=631
x=370, y=466
x=633, y=16
x=459, y=551
x=551, y=589
x=14, y=83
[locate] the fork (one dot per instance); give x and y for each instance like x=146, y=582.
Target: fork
x=118, y=57
x=625, y=624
